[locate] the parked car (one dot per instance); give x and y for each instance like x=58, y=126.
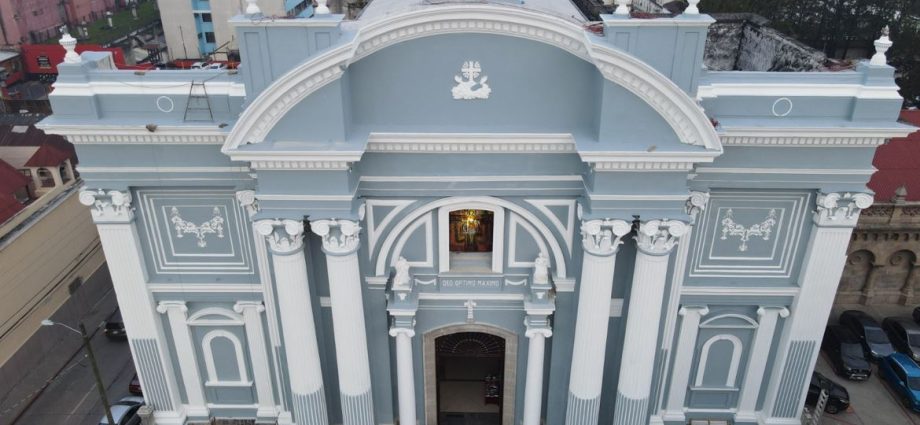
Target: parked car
x=916, y=314
x=903, y=375
x=904, y=335
x=870, y=333
x=135, y=386
x=209, y=65
x=115, y=327
x=846, y=353
x=124, y=411
x=838, y=398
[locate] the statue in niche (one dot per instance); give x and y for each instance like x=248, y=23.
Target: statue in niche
x=541, y=269
x=402, y=279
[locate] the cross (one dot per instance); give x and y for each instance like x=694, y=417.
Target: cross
x=469, y=304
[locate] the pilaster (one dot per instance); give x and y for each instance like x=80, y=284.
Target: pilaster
x=114, y=217
x=655, y=240
x=683, y=361
x=402, y=304
x=834, y=220
x=760, y=352
x=600, y=240
x=285, y=238
x=258, y=355
x=341, y=241
x=177, y=313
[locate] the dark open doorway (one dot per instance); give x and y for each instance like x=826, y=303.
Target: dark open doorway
x=470, y=378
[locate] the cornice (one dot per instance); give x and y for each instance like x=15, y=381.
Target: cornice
x=807, y=137
x=118, y=135
x=293, y=160
x=470, y=143
x=646, y=161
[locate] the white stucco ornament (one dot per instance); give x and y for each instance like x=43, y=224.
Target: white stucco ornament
x=402, y=280
x=881, y=48
x=541, y=269
x=763, y=230
x=70, y=47
x=469, y=78
x=182, y=226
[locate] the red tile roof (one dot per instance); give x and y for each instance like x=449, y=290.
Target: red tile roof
x=11, y=179
x=898, y=164
x=49, y=155
x=9, y=206
x=28, y=135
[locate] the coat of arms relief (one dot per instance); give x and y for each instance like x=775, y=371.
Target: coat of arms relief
x=469, y=84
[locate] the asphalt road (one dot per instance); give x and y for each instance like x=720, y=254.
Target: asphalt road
x=72, y=398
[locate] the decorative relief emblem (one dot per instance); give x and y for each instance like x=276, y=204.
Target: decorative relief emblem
x=402, y=280
x=214, y=225
x=468, y=79
x=541, y=269
x=761, y=230
x=470, y=305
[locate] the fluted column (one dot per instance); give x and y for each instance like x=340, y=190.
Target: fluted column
x=601, y=240
x=537, y=331
x=340, y=243
x=405, y=373
x=177, y=314
x=655, y=240
x=114, y=217
x=285, y=238
x=258, y=355
x=834, y=220
x=683, y=360
x=760, y=352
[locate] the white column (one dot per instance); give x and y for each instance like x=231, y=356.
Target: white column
x=655, y=240
x=533, y=389
x=177, y=313
x=760, y=352
x=405, y=374
x=114, y=217
x=340, y=243
x=600, y=241
x=683, y=361
x=825, y=257
x=285, y=238
x=258, y=355
x=56, y=175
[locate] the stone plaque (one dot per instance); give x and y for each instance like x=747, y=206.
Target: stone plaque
x=470, y=283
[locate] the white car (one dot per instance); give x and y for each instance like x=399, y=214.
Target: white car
x=215, y=66
x=124, y=412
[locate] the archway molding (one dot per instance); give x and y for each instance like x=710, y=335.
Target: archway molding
x=681, y=112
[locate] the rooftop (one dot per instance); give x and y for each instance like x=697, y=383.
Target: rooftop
x=898, y=164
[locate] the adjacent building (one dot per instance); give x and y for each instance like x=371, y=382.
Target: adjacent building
x=448, y=211
x=199, y=28
x=33, y=21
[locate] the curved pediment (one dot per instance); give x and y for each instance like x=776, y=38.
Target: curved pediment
x=585, y=73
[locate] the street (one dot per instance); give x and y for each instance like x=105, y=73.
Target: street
x=72, y=397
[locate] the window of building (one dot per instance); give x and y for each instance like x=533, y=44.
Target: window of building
x=209, y=37
x=205, y=17
x=43, y=62
x=471, y=239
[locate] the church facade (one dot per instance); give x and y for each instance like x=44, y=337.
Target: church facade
x=474, y=213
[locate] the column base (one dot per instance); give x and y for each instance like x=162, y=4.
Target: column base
x=655, y=420
x=284, y=418
x=266, y=414
x=357, y=409
x=747, y=417
x=169, y=417
x=673, y=415
x=198, y=412
x=779, y=421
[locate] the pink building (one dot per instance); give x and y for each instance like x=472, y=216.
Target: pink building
x=31, y=21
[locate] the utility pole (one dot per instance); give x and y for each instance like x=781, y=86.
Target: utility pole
x=96, y=374
x=92, y=360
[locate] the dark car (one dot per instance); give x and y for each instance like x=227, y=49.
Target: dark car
x=916, y=314
x=115, y=327
x=846, y=353
x=869, y=332
x=904, y=335
x=135, y=386
x=903, y=375
x=838, y=398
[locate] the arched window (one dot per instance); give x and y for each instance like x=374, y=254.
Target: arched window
x=223, y=358
x=712, y=367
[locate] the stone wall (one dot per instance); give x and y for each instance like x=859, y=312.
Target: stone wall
x=744, y=42
x=882, y=266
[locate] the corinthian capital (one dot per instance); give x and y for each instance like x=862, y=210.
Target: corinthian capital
x=340, y=237
x=659, y=237
x=603, y=237
x=841, y=209
x=283, y=236
x=111, y=206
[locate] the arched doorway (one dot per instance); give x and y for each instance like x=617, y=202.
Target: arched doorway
x=470, y=375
